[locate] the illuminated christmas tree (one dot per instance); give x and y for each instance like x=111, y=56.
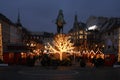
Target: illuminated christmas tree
x=61, y=44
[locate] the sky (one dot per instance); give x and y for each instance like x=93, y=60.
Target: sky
x=40, y=15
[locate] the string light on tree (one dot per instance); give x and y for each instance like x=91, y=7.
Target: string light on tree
x=61, y=44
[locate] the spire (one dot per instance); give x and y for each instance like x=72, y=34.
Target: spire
x=76, y=19
x=76, y=23
x=18, y=20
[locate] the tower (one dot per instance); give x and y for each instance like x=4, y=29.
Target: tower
x=18, y=23
x=76, y=29
x=76, y=23
x=19, y=28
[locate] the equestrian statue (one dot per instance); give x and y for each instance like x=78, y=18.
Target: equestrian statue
x=60, y=22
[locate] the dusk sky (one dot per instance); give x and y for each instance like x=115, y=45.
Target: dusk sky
x=40, y=15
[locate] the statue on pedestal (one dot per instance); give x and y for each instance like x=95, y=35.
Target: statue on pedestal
x=60, y=21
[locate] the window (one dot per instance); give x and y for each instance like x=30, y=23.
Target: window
x=81, y=37
x=85, y=37
x=11, y=55
x=81, y=32
x=37, y=37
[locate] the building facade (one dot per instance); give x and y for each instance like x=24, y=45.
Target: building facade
x=11, y=34
x=5, y=33
x=110, y=35
x=39, y=39
x=78, y=34
x=1, y=47
x=106, y=33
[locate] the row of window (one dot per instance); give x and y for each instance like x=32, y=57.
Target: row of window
x=80, y=37
x=79, y=33
x=38, y=37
